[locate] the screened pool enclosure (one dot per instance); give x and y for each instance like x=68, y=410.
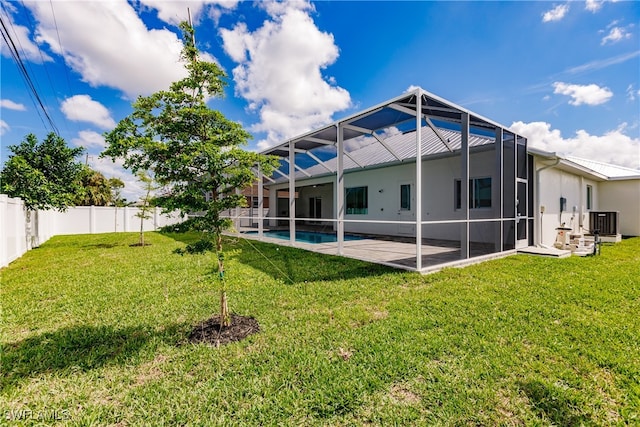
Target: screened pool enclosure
x=357, y=181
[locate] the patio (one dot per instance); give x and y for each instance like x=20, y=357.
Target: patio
x=395, y=252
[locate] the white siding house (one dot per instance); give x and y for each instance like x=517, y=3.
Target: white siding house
x=359, y=177
x=588, y=187
x=477, y=192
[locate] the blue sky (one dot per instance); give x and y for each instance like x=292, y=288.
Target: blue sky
x=564, y=74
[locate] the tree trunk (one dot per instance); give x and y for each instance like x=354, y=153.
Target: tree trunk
x=225, y=317
x=141, y=241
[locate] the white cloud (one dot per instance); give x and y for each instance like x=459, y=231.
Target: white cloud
x=600, y=64
x=280, y=71
x=583, y=94
x=21, y=38
x=555, y=14
x=10, y=105
x=174, y=12
x=615, y=35
x=4, y=127
x=109, y=45
x=89, y=139
x=593, y=5
x=81, y=108
x=631, y=93
x=613, y=147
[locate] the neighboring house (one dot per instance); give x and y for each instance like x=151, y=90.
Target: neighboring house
x=252, y=198
x=473, y=195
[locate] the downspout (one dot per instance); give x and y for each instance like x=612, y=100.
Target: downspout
x=540, y=212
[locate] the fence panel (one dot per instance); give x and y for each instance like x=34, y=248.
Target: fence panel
x=12, y=229
x=14, y=226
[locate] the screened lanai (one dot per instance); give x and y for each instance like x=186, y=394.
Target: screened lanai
x=354, y=188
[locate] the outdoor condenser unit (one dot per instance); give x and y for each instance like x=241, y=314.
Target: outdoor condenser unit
x=607, y=223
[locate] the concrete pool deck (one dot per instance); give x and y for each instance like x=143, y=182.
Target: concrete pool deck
x=436, y=254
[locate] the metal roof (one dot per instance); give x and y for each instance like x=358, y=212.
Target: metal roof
x=608, y=170
x=596, y=170
x=365, y=131
x=371, y=151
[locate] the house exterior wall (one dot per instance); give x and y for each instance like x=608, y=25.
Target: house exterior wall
x=323, y=191
x=554, y=184
x=622, y=196
x=384, y=198
x=438, y=200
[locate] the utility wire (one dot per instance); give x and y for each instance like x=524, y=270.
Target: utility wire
x=28, y=64
x=33, y=92
x=66, y=71
x=42, y=59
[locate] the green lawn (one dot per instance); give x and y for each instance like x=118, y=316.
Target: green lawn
x=94, y=332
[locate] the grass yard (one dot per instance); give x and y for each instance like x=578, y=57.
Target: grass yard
x=94, y=332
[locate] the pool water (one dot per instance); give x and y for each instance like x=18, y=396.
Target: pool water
x=312, y=237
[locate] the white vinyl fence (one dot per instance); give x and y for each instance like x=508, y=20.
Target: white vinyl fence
x=15, y=226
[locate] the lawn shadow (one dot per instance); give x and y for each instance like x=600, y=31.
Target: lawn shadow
x=80, y=348
x=298, y=265
x=554, y=403
x=102, y=245
x=292, y=265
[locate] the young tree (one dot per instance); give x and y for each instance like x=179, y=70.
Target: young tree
x=44, y=175
x=192, y=150
x=145, y=208
x=116, y=185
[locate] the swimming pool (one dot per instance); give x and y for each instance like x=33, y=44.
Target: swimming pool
x=312, y=237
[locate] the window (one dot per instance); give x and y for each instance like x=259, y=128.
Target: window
x=405, y=197
x=357, y=199
x=589, y=197
x=479, y=193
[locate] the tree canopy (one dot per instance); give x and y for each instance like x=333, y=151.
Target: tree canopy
x=191, y=149
x=95, y=189
x=43, y=174
x=195, y=152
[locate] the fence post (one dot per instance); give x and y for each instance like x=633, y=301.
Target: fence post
x=3, y=231
x=92, y=219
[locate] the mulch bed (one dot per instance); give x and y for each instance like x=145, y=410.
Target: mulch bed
x=209, y=331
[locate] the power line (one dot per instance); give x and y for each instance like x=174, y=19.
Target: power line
x=15, y=54
x=16, y=60
x=24, y=54
x=66, y=71
x=42, y=59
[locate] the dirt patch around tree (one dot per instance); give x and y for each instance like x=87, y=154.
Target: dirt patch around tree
x=210, y=332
